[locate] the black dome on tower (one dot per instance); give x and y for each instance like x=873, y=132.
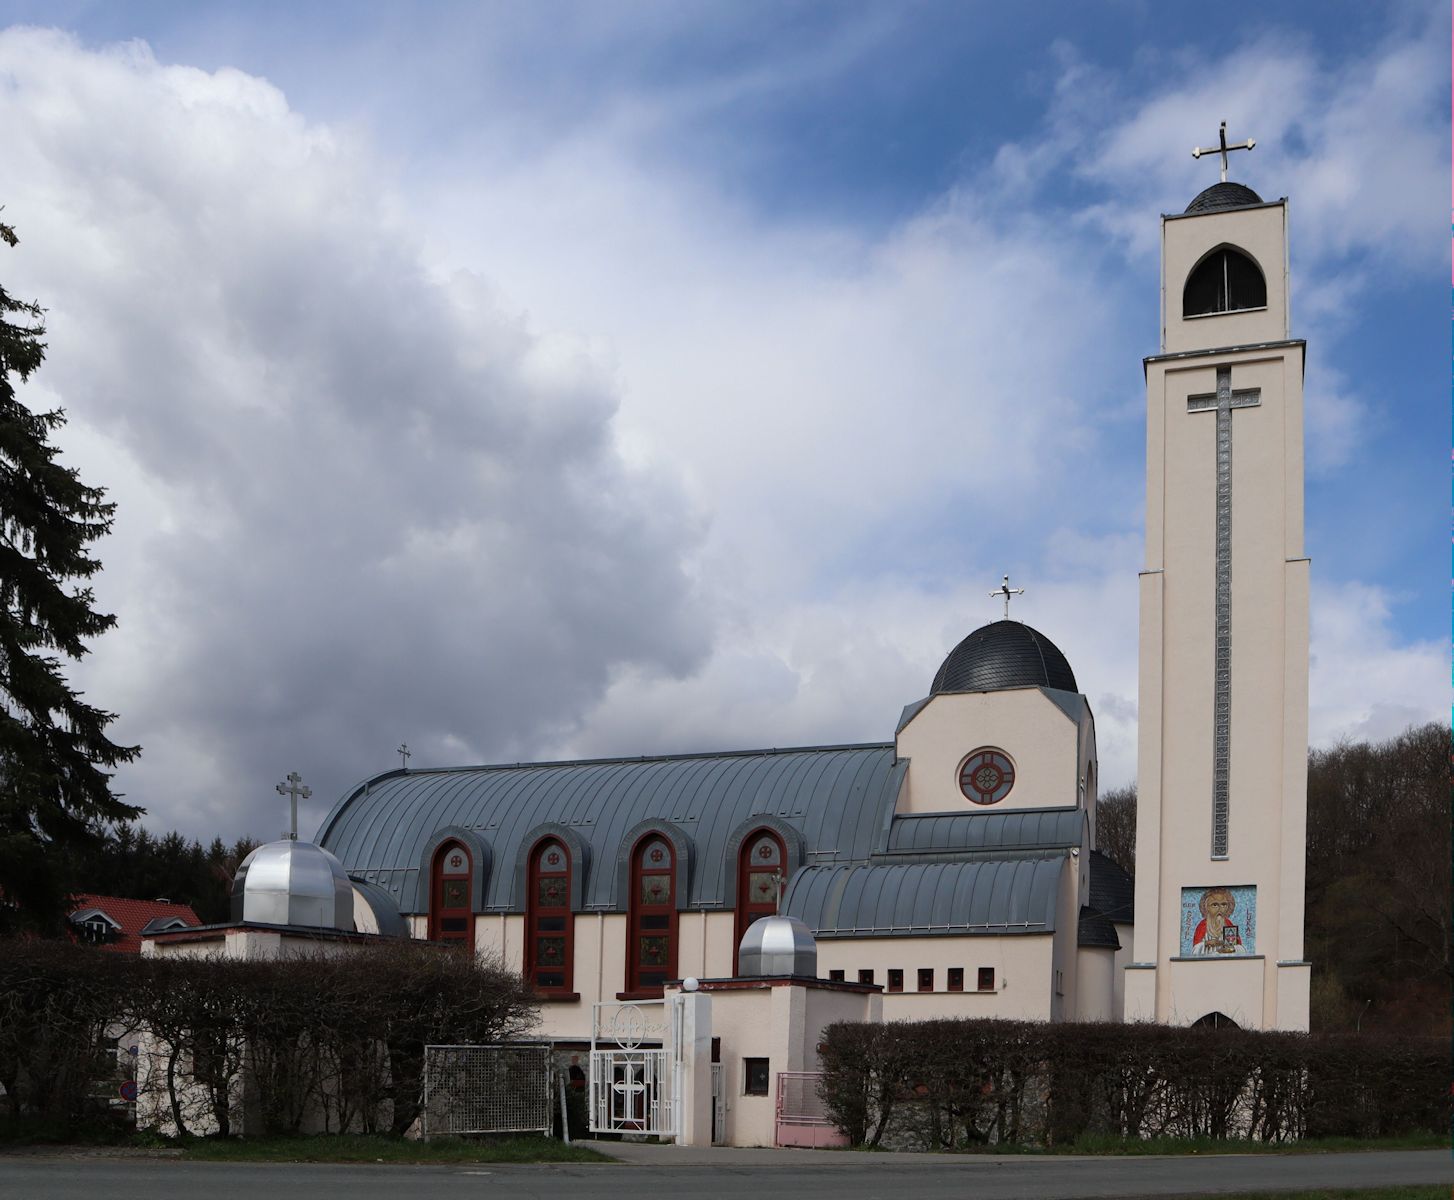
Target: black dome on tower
x=1006, y=654
x=1222, y=196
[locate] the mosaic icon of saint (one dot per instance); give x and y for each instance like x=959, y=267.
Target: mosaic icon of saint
x=1216, y=934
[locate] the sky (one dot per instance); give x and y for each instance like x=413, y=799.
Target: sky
x=530, y=382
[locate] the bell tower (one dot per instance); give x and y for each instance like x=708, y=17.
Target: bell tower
x=1222, y=756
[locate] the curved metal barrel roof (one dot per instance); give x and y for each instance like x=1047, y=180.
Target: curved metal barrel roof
x=986, y=895
x=840, y=799
x=940, y=833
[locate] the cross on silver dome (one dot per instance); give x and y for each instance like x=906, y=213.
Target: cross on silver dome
x=1223, y=148
x=1007, y=591
x=294, y=790
x=404, y=754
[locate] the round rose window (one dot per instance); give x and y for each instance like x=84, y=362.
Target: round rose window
x=987, y=775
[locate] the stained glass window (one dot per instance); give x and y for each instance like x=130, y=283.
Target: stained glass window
x=766, y=852
x=653, y=916
x=450, y=895
x=551, y=923
x=987, y=775
x=761, y=865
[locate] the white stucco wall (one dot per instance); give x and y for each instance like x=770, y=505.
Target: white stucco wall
x=1023, y=722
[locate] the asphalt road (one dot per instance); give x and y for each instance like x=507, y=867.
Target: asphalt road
x=868, y=1177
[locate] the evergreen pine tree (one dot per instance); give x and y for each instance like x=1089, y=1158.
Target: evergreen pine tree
x=55, y=794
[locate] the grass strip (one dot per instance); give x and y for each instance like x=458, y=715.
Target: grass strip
x=1101, y=1144
x=356, y=1148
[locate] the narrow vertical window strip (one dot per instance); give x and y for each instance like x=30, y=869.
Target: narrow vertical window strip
x=651, y=955
x=549, y=921
x=761, y=868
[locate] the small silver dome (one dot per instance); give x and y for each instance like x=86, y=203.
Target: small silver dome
x=778, y=946
x=293, y=883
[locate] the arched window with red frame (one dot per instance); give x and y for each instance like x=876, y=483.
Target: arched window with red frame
x=549, y=949
x=651, y=954
x=451, y=915
x=761, y=865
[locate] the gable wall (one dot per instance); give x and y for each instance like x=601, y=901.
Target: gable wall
x=1039, y=737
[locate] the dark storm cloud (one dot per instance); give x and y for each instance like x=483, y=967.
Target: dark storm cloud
x=380, y=506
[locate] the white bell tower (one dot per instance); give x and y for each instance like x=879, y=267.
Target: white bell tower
x=1222, y=764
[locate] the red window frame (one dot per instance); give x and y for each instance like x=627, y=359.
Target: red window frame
x=896, y=979
x=926, y=979
x=986, y=980
x=546, y=921
x=449, y=921
x=750, y=906
x=648, y=964
x=956, y=979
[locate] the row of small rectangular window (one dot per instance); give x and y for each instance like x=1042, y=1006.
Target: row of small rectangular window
x=954, y=982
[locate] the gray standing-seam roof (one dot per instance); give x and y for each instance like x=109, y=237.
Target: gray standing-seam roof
x=837, y=798
x=988, y=896
x=958, y=833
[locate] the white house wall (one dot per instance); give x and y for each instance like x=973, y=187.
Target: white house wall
x=1032, y=729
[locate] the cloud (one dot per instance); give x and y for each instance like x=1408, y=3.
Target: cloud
x=357, y=504
x=1366, y=684
x=568, y=448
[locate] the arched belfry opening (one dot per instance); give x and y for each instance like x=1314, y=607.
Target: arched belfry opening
x=1225, y=280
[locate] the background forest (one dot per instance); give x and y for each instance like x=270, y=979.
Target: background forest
x=1379, y=893
x=133, y=863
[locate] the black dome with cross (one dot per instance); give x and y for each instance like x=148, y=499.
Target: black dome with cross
x=1005, y=654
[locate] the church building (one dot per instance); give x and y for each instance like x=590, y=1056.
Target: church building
x=955, y=866
x=751, y=897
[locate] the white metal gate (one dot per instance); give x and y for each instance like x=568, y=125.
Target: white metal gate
x=719, y=1108
x=635, y=1068
x=488, y=1089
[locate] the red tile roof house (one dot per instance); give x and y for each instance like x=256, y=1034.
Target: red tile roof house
x=115, y=923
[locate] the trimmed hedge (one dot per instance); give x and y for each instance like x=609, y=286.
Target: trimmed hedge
x=952, y=1084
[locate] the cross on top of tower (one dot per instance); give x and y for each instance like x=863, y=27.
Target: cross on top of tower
x=1007, y=591
x=405, y=754
x=1223, y=148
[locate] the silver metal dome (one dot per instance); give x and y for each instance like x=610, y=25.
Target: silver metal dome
x=778, y=946
x=293, y=883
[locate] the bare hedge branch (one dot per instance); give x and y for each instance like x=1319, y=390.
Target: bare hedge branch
x=952, y=1084
x=322, y=1041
